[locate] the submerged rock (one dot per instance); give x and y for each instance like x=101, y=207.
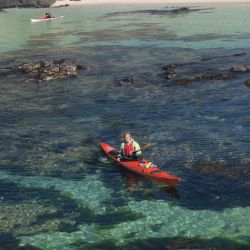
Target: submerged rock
x=127, y=81
x=18, y=217
x=166, y=11
x=170, y=66
x=247, y=83
x=223, y=56
x=223, y=168
x=214, y=167
x=51, y=70
x=181, y=10
x=172, y=75
x=197, y=78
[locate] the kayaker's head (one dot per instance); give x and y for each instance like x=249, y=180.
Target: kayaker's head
x=128, y=137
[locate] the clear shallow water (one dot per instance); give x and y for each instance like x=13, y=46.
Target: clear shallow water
x=57, y=194
x=223, y=26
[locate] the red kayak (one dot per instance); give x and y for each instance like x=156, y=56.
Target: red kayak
x=142, y=167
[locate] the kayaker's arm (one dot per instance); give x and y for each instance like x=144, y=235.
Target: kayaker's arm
x=120, y=155
x=137, y=148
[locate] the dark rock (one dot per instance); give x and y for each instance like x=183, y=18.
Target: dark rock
x=247, y=83
x=127, y=80
x=218, y=77
x=26, y=3
x=181, y=10
x=171, y=75
x=187, y=80
x=239, y=54
x=175, y=11
x=50, y=70
x=62, y=6
x=197, y=78
x=179, y=65
x=170, y=66
x=223, y=56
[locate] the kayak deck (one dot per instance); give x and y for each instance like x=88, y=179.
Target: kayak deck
x=138, y=166
x=45, y=19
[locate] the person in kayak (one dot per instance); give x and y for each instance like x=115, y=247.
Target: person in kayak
x=48, y=15
x=129, y=149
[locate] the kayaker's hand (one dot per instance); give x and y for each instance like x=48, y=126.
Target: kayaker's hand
x=118, y=159
x=134, y=155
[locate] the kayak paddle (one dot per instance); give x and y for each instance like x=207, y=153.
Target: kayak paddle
x=148, y=145
x=144, y=147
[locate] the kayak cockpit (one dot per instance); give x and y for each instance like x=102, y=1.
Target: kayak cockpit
x=157, y=171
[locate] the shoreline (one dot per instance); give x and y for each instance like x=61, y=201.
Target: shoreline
x=131, y=2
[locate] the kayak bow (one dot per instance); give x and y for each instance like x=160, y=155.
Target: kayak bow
x=140, y=167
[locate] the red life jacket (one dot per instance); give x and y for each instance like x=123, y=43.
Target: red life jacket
x=128, y=150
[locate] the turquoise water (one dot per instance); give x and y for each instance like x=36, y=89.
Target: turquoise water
x=58, y=191
x=224, y=26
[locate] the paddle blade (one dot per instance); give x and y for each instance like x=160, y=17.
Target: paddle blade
x=146, y=146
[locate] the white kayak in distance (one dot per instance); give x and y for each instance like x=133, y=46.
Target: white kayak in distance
x=34, y=20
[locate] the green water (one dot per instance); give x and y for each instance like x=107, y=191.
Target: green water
x=58, y=191
x=223, y=26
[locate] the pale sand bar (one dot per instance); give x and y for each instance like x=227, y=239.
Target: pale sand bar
x=85, y=2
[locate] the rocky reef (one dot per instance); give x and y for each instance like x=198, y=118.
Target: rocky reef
x=182, y=74
x=171, y=74
x=240, y=68
x=50, y=70
x=247, y=83
x=26, y=3
x=176, y=74
x=129, y=80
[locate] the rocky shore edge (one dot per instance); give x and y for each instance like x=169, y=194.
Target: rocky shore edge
x=4, y=4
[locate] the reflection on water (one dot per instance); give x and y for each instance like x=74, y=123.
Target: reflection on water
x=56, y=193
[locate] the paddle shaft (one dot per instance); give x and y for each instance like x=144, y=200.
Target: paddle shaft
x=141, y=149
x=144, y=147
